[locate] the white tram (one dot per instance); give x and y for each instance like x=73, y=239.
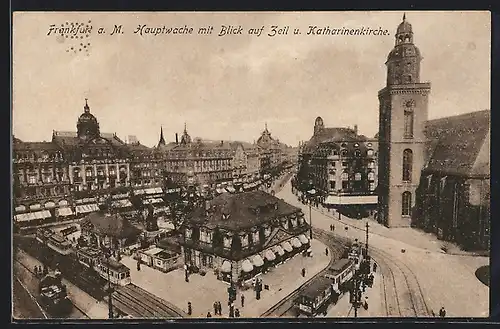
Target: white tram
x=60, y=244
x=341, y=273
x=118, y=273
x=356, y=254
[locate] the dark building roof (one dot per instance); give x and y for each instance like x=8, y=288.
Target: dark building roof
x=241, y=211
x=454, y=142
x=35, y=146
x=109, y=224
x=331, y=134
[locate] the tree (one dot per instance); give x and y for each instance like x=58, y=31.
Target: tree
x=137, y=203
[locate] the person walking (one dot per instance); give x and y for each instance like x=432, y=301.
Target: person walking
x=219, y=306
x=209, y=315
x=442, y=312
x=326, y=251
x=190, y=309
x=237, y=313
x=216, y=308
x=303, y=272
x=242, y=300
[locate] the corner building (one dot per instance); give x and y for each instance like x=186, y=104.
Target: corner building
x=403, y=114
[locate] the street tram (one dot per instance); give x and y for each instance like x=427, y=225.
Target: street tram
x=341, y=273
x=119, y=274
x=316, y=297
x=356, y=254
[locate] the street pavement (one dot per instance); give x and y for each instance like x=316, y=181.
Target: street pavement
x=202, y=291
x=85, y=305
x=24, y=304
x=446, y=280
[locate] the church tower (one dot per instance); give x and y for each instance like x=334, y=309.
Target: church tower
x=403, y=108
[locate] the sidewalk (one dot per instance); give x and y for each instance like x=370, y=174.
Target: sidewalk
x=83, y=301
x=408, y=235
x=202, y=291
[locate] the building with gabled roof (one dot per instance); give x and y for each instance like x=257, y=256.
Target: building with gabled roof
x=240, y=235
x=453, y=196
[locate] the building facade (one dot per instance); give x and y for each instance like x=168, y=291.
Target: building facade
x=241, y=235
x=340, y=166
x=402, y=116
x=453, y=197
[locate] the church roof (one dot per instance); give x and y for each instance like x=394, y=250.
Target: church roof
x=241, y=210
x=454, y=142
x=109, y=224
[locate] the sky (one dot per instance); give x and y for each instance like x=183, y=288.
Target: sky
x=228, y=87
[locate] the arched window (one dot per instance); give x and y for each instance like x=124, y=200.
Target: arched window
x=371, y=176
x=407, y=165
x=406, y=204
x=343, y=153
x=408, y=123
x=369, y=152
x=344, y=176
x=357, y=176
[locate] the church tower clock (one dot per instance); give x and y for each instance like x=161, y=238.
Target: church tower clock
x=403, y=107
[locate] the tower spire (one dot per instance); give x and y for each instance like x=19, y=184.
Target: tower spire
x=86, y=108
x=162, y=140
x=185, y=127
x=404, y=17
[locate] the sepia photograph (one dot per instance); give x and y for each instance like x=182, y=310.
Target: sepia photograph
x=217, y=165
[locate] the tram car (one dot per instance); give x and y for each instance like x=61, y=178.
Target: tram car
x=341, y=273
x=356, y=254
x=118, y=273
x=316, y=297
x=60, y=244
x=114, y=271
x=42, y=235
x=53, y=295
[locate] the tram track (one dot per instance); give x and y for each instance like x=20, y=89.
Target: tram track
x=286, y=305
x=139, y=303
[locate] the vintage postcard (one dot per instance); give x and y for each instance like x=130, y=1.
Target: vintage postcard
x=250, y=164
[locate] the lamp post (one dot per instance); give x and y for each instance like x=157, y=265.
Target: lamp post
x=110, y=288
x=312, y=192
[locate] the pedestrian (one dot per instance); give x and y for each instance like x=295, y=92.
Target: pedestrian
x=365, y=305
x=333, y=228
x=190, y=309
x=219, y=307
x=209, y=315
x=138, y=265
x=303, y=272
x=237, y=313
x=326, y=251
x=242, y=300
x=216, y=308
x=374, y=267
x=442, y=312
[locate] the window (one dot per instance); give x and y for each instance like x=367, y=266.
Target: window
x=244, y=240
x=357, y=176
x=332, y=185
x=345, y=176
x=407, y=165
x=371, y=164
x=343, y=153
x=357, y=153
x=345, y=185
x=408, y=123
x=372, y=186
x=344, y=164
x=32, y=179
x=369, y=152
x=371, y=176
x=406, y=204
x=255, y=237
x=227, y=242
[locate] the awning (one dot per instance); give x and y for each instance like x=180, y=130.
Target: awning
x=287, y=246
x=247, y=266
x=23, y=217
x=65, y=211
x=257, y=261
x=269, y=255
x=32, y=216
x=138, y=192
x=303, y=239
x=122, y=203
x=278, y=250
x=158, y=190
x=296, y=243
x=82, y=209
x=226, y=267
x=351, y=199
x=150, y=191
x=230, y=189
x=313, y=191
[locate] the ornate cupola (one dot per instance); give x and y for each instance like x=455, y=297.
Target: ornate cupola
x=87, y=125
x=403, y=62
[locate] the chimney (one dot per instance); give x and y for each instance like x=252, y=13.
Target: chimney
x=176, y=138
x=356, y=129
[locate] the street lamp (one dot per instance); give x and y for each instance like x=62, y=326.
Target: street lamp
x=107, y=254
x=312, y=192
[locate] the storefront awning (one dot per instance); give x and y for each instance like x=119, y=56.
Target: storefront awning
x=82, y=209
x=351, y=199
x=230, y=189
x=139, y=192
x=247, y=266
x=225, y=267
x=32, y=216
x=269, y=255
x=287, y=246
x=296, y=243
x=303, y=239
x=257, y=261
x=279, y=250
x=65, y=211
